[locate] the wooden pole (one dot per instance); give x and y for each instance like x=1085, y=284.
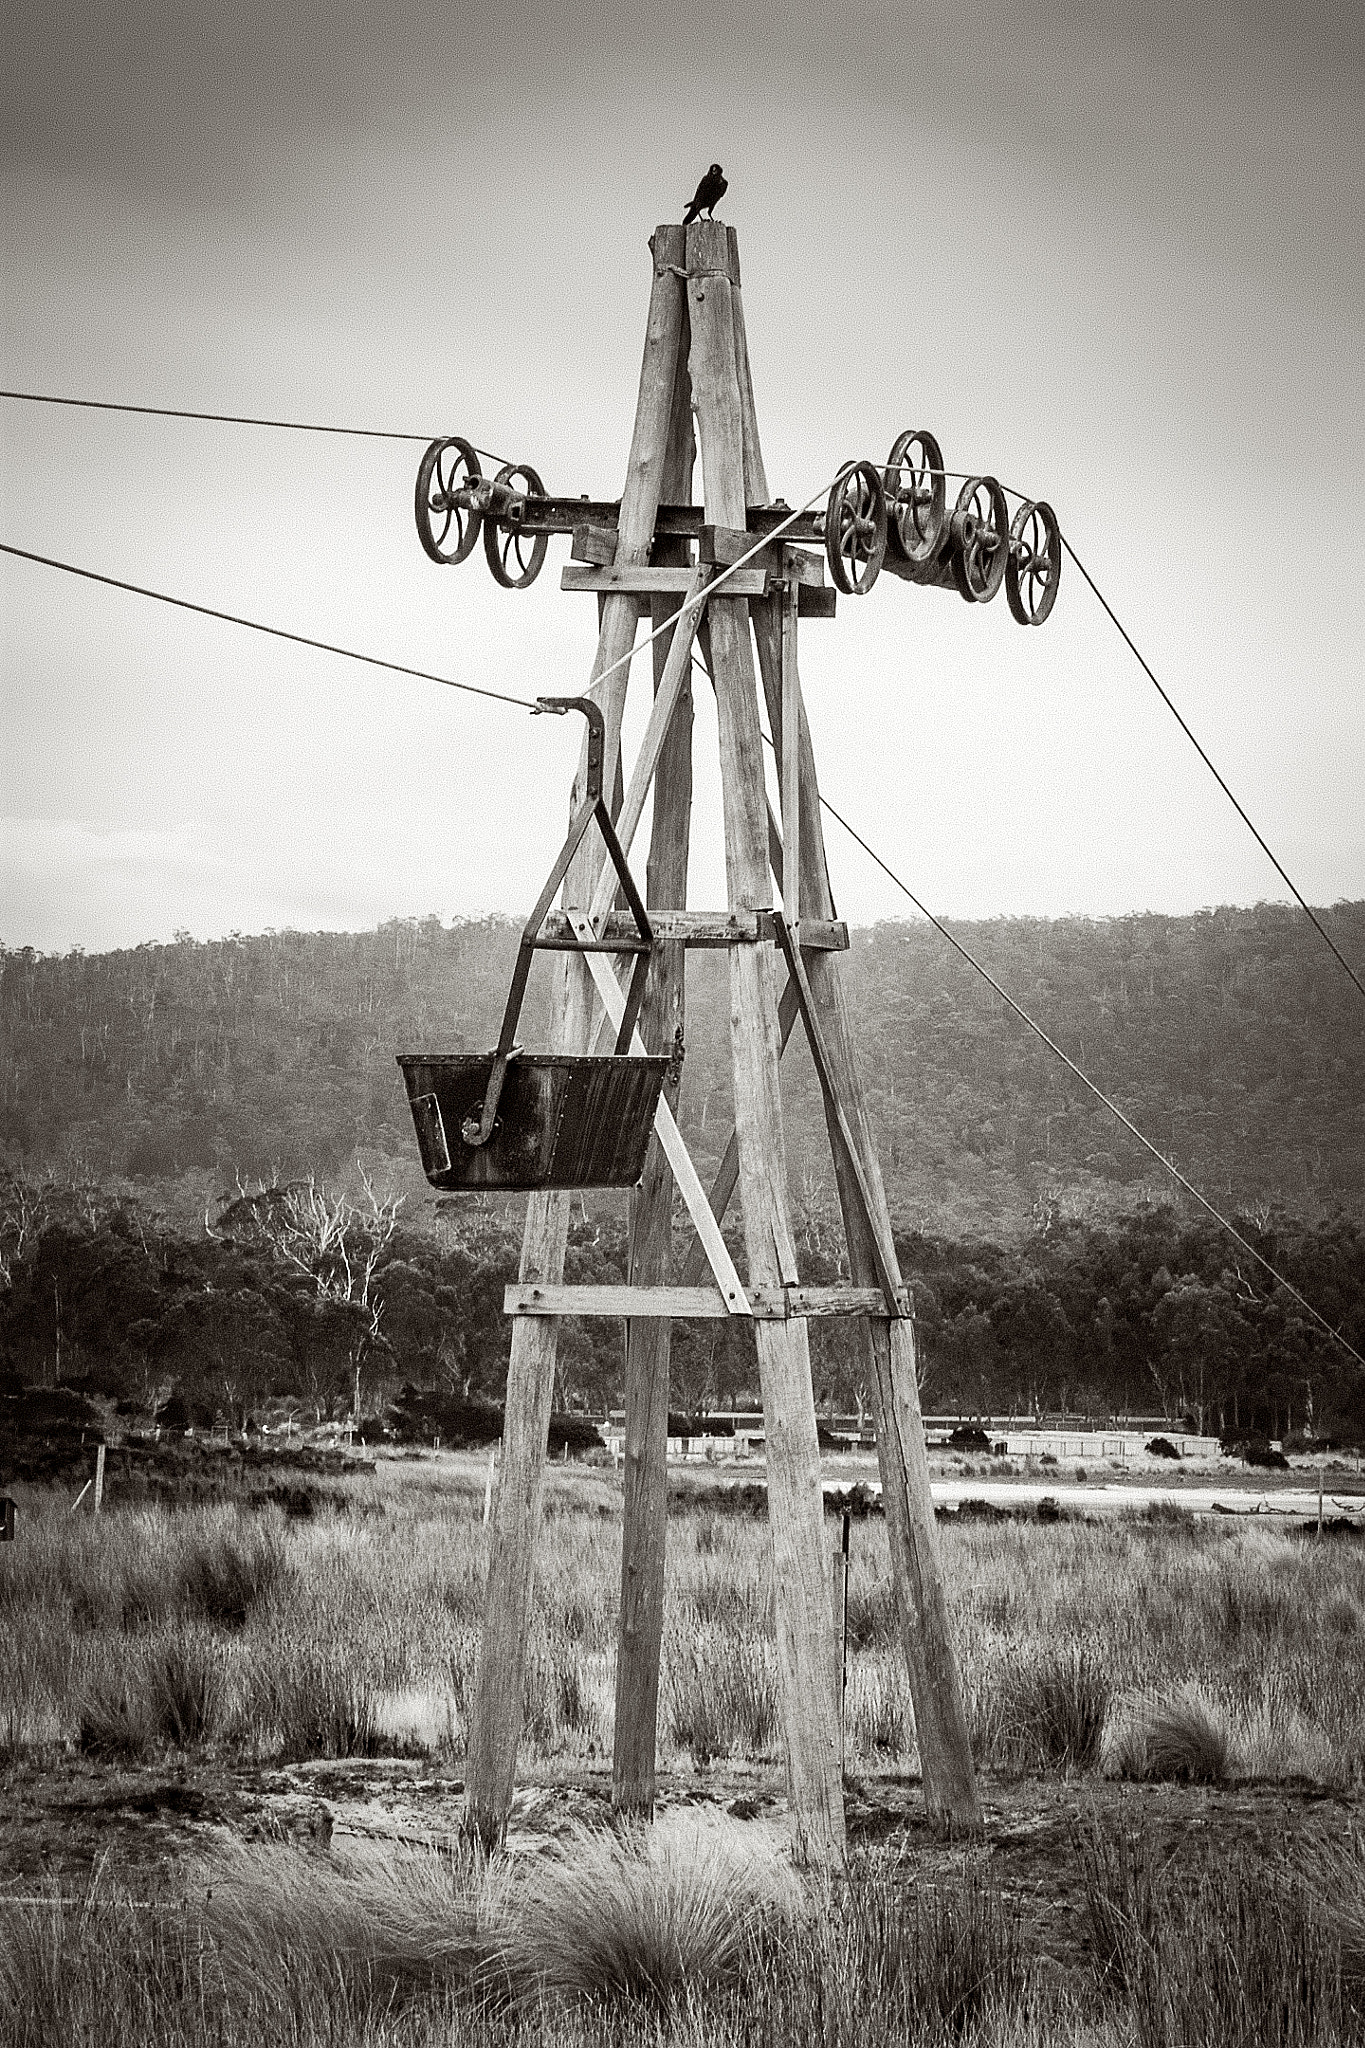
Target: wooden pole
x=99, y=1478
x=495, y=1724
x=643, y=1541
x=950, y=1788
x=804, y=1612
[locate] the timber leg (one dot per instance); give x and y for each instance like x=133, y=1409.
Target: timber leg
x=804, y=1611
x=935, y=1685
x=648, y=1340
x=495, y=1728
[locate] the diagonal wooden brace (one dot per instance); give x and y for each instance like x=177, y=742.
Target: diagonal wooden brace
x=884, y=1252
x=727, y=1174
x=656, y=731
x=670, y=1137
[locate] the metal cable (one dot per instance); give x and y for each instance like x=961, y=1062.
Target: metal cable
x=235, y=419
x=709, y=590
x=1094, y=1088
x=208, y=611
x=1278, y=865
x=529, y=704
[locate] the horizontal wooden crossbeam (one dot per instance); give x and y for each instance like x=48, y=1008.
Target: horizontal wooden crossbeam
x=645, y=581
x=706, y=928
x=676, y=522
x=767, y=1304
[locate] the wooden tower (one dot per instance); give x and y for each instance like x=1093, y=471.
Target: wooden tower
x=780, y=913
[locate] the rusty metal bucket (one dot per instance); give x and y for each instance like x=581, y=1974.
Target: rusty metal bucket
x=561, y=1123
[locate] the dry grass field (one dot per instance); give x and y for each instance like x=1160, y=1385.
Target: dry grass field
x=231, y=1749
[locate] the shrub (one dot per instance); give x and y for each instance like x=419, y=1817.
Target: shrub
x=967, y=1437
x=419, y=1414
x=699, y=1425
x=1161, y=1447
x=574, y=1433
x=1254, y=1450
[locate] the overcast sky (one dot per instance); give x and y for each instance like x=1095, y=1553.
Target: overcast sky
x=1113, y=254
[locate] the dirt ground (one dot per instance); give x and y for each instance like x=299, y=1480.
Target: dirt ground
x=147, y=1828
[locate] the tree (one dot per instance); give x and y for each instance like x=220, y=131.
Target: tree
x=1203, y=1334
x=332, y=1244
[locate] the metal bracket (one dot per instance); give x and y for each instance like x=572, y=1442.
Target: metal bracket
x=477, y=1130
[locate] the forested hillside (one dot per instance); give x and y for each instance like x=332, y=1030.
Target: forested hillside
x=1232, y=1038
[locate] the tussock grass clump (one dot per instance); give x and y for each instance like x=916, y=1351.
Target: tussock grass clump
x=1053, y=1706
x=877, y=1711
x=318, y=1701
x=115, y=1717
x=1333, y=1872
x=392, y=1926
x=558, y=1704
x=892, y=1964
x=186, y=1679
x=230, y=1566
x=645, y=1913
x=1182, y=1734
x=721, y=1694
x=1230, y=1952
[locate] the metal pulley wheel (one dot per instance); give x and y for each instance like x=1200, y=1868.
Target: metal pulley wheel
x=916, y=498
x=447, y=531
x=855, y=529
x=980, y=530
x=1034, y=568
x=515, y=557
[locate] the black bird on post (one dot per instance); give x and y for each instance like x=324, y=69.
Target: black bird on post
x=712, y=187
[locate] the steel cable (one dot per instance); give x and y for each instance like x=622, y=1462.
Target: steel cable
x=237, y=419
x=1165, y=697
x=209, y=611
x=1093, y=1086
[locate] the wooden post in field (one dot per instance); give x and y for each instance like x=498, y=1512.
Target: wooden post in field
x=99, y=1479
x=495, y=1725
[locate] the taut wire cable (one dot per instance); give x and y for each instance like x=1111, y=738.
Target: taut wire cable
x=1165, y=697
x=1094, y=1088
x=530, y=704
x=236, y=419
x=208, y=611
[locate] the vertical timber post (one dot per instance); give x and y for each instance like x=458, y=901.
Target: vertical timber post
x=495, y=1725
x=804, y=1612
x=648, y=1347
x=950, y=1788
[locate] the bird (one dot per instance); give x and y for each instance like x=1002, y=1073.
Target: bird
x=712, y=187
